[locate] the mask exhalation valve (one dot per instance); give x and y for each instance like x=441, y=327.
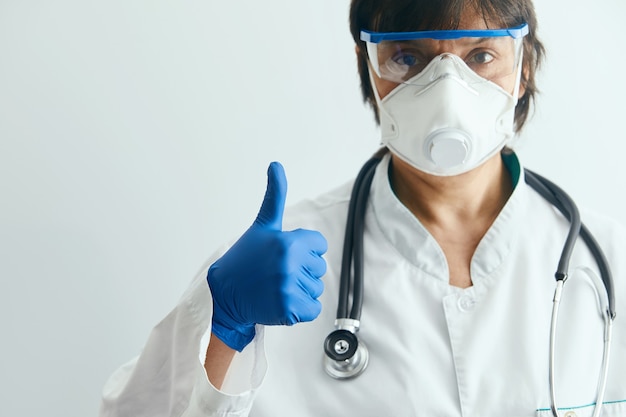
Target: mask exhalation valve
x=448, y=147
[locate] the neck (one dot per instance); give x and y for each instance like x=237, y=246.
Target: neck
x=476, y=196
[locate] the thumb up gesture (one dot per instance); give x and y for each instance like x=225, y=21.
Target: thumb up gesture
x=269, y=276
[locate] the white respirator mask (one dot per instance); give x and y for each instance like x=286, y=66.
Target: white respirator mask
x=447, y=119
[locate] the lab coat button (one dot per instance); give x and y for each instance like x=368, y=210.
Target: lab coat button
x=570, y=414
x=466, y=303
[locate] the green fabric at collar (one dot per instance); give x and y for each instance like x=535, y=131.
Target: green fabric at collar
x=512, y=165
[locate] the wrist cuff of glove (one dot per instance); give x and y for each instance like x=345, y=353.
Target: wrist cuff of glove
x=235, y=339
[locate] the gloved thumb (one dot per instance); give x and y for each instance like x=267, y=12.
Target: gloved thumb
x=271, y=213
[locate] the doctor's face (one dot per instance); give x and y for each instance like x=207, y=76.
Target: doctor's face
x=466, y=50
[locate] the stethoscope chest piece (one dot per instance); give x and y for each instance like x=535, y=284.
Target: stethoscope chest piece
x=345, y=357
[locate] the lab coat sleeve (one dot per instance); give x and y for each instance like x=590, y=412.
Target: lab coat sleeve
x=168, y=377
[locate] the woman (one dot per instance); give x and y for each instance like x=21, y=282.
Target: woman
x=459, y=255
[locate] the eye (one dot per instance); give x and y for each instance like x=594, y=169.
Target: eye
x=400, y=61
x=481, y=58
x=405, y=59
x=404, y=64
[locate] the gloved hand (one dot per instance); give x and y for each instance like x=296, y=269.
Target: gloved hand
x=268, y=276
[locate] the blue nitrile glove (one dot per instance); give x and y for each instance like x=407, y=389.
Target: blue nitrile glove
x=268, y=276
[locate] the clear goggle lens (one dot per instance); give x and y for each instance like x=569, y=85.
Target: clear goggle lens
x=400, y=56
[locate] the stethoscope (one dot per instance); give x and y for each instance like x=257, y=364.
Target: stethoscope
x=347, y=357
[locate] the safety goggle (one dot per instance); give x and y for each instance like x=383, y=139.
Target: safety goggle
x=400, y=56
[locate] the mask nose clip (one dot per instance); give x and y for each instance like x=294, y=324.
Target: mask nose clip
x=445, y=66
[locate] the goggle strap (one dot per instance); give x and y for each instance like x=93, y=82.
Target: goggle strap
x=377, y=37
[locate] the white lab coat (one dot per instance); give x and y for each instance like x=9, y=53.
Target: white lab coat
x=435, y=350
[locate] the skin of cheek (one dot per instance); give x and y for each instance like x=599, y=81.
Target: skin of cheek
x=384, y=87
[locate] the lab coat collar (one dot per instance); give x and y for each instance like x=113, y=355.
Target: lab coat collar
x=411, y=239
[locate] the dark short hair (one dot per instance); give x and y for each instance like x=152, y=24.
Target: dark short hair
x=412, y=15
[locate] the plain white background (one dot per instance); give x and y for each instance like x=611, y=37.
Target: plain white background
x=135, y=136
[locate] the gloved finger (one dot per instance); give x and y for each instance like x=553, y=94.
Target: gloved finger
x=313, y=239
x=314, y=265
x=271, y=212
x=308, y=310
x=313, y=286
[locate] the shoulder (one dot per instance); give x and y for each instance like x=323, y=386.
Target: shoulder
x=604, y=227
x=610, y=234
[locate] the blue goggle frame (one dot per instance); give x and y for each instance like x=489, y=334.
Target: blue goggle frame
x=377, y=37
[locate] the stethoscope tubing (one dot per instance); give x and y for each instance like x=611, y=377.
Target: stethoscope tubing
x=563, y=202
x=353, y=244
x=567, y=207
